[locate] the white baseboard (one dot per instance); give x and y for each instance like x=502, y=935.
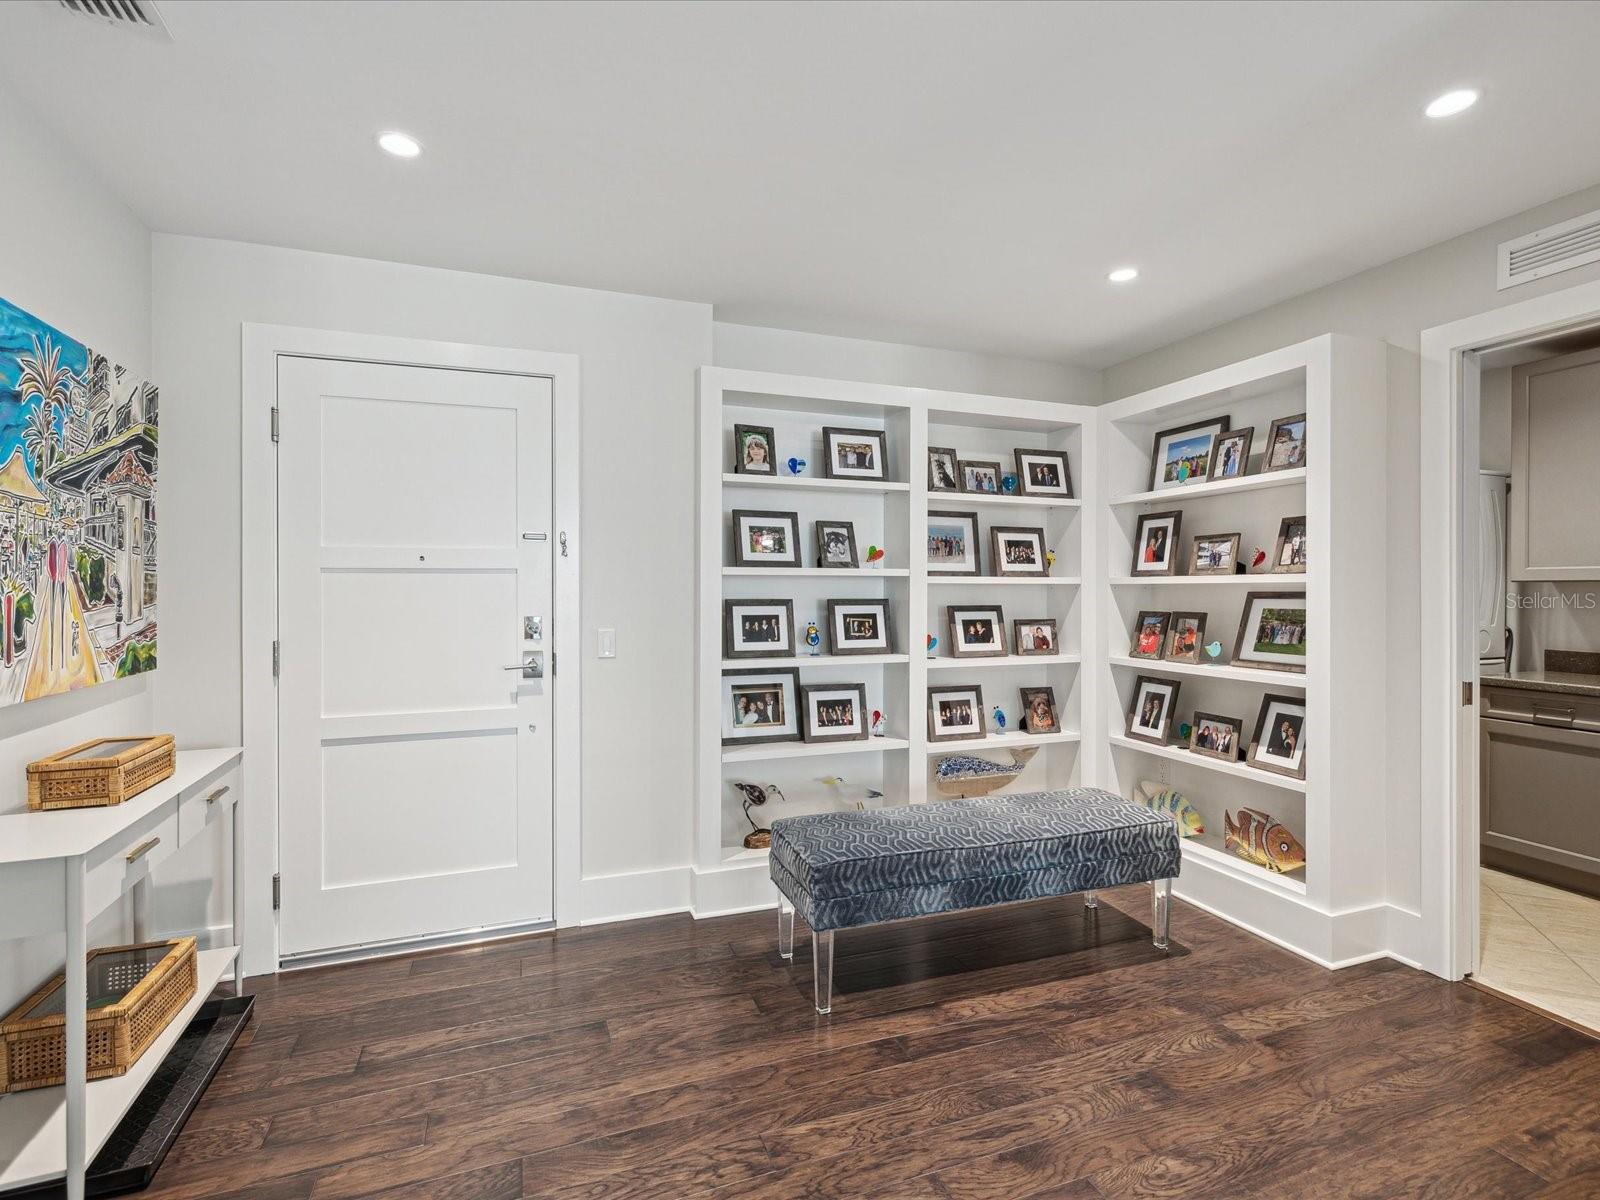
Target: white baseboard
x=631, y=895
x=736, y=888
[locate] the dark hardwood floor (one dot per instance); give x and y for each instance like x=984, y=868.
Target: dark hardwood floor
x=1031, y=1051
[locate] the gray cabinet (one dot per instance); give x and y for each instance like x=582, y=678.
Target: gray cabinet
x=1555, y=443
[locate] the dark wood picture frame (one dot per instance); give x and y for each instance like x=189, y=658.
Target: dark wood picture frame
x=838, y=645
x=792, y=674
x=1059, y=457
x=998, y=534
x=858, y=695
x=1252, y=757
x=1233, y=553
x=819, y=532
x=971, y=518
x=729, y=609
x=1267, y=458
x=741, y=559
x=1028, y=695
x=1170, y=652
x=1021, y=635
x=1147, y=519
x=951, y=689
x=1244, y=436
x=982, y=464
x=936, y=454
x=1285, y=529
x=739, y=434
x=993, y=613
x=831, y=469
x=1239, y=660
x=1217, y=426
x=1133, y=727
x=1234, y=723
x=1164, y=624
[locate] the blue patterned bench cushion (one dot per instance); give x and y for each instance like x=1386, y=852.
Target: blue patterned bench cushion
x=857, y=868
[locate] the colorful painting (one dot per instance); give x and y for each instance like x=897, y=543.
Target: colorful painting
x=77, y=514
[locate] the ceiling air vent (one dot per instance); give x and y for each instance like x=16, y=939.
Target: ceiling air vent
x=136, y=15
x=1549, y=251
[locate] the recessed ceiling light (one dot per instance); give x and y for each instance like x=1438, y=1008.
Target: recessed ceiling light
x=1451, y=103
x=1124, y=275
x=401, y=145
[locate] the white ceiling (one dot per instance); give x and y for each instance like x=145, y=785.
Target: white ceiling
x=960, y=175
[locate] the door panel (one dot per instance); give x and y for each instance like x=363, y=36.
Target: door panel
x=415, y=770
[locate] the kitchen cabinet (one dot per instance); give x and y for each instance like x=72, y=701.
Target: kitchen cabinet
x=1555, y=444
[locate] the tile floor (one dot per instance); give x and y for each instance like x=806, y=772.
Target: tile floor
x=1541, y=945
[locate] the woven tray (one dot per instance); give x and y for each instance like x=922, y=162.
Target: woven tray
x=101, y=772
x=148, y=997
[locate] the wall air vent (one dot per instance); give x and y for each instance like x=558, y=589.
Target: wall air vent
x=1549, y=251
x=139, y=16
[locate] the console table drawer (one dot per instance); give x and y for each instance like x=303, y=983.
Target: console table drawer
x=205, y=804
x=125, y=862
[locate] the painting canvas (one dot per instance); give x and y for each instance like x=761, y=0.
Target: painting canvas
x=77, y=514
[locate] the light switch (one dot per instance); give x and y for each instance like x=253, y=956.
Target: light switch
x=608, y=643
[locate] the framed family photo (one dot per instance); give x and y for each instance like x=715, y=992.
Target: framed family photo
x=953, y=543
x=1286, y=444
x=1230, y=457
x=859, y=627
x=760, y=706
x=1150, y=716
x=836, y=544
x=1155, y=543
x=1039, y=710
x=766, y=539
x=835, y=712
x=1018, y=551
x=1185, y=637
x=1043, y=473
x=982, y=478
x=976, y=630
x=853, y=453
x=1183, y=455
x=1216, y=737
x=1214, y=554
x=1272, y=631
x=1278, y=743
x=955, y=712
x=757, y=629
x=1290, y=555
x=1035, y=636
x=944, y=470
x=753, y=451
x=1149, y=634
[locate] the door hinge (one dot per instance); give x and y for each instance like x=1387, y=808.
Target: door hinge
x=1466, y=693
x=277, y=892
x=277, y=659
x=274, y=422
x=552, y=662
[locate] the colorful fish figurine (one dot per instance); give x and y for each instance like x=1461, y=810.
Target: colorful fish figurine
x=999, y=717
x=1264, y=840
x=962, y=776
x=874, y=554
x=796, y=465
x=813, y=637
x=1174, y=804
x=1214, y=650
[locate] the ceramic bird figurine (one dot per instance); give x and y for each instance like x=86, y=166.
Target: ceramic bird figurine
x=874, y=554
x=1214, y=649
x=755, y=795
x=813, y=637
x=999, y=717
x=837, y=783
x=796, y=465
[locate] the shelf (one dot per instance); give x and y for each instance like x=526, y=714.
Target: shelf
x=1184, y=755
x=818, y=572
x=772, y=750
x=33, y=1125
x=940, y=498
x=1004, y=741
x=1293, y=680
x=1232, y=864
x=815, y=660
x=810, y=483
x=741, y=855
x=948, y=663
x=1283, y=583
x=1003, y=581
x=1295, y=477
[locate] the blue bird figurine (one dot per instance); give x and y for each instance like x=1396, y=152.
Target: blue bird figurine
x=999, y=717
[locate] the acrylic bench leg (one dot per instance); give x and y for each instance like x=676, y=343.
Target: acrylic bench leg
x=1161, y=914
x=1091, y=899
x=822, y=968
x=785, y=928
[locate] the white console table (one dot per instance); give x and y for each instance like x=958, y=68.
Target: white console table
x=90, y=857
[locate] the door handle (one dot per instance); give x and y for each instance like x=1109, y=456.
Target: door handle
x=141, y=850
x=532, y=667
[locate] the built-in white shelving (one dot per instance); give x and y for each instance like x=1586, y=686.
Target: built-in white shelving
x=1011, y=661
x=1210, y=858
x=1283, y=680
x=814, y=660
x=1293, y=477
x=1183, y=754
x=818, y=572
x=986, y=581
x=768, y=751
x=962, y=499
x=810, y=483
x=1268, y=580
x=1004, y=741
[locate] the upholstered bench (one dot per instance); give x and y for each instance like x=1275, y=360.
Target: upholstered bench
x=843, y=869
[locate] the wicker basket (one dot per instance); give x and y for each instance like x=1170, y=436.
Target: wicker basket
x=142, y=995
x=102, y=772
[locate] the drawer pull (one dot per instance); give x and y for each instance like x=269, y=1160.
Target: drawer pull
x=217, y=795
x=142, y=849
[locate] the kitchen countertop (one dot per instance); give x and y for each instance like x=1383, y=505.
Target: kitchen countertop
x=1565, y=682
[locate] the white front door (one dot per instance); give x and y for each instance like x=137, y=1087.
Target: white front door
x=415, y=769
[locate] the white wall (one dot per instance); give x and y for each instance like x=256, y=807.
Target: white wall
x=1393, y=302
x=74, y=256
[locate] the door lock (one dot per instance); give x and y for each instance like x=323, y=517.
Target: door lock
x=532, y=667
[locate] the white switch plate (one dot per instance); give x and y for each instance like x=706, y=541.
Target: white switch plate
x=608, y=643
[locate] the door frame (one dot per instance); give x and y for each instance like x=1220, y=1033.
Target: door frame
x=1449, y=780
x=261, y=347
